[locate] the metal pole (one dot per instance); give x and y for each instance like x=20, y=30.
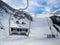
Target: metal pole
x=26, y=6
x=9, y=24
x=49, y=25
x=29, y=27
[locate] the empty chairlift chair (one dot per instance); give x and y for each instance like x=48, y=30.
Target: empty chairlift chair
x=19, y=23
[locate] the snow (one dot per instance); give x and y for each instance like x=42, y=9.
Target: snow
x=38, y=32
x=13, y=22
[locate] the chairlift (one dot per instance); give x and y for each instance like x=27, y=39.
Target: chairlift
x=52, y=35
x=56, y=21
x=17, y=16
x=19, y=30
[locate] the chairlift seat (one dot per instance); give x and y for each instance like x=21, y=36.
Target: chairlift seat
x=18, y=31
x=51, y=36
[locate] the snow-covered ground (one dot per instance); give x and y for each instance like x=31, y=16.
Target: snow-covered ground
x=38, y=34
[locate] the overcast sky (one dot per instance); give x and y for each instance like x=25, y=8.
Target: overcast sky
x=36, y=6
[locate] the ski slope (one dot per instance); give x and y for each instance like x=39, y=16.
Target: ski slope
x=38, y=34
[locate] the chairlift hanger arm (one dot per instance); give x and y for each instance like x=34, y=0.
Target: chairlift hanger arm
x=25, y=7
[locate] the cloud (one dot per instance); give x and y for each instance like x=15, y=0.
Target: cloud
x=47, y=9
x=53, y=3
x=6, y=1
x=36, y=6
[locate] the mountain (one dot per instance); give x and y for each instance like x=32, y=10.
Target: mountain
x=5, y=12
x=6, y=7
